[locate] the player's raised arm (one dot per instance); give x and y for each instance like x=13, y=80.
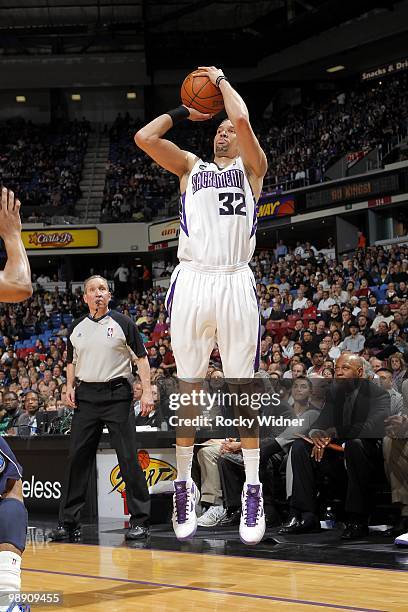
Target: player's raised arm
x=164, y=152
x=15, y=279
x=250, y=150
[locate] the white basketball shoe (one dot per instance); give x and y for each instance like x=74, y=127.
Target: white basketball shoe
x=185, y=498
x=252, y=525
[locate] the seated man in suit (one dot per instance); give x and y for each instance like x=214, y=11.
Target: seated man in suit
x=354, y=418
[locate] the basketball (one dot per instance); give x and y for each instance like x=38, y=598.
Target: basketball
x=198, y=92
x=144, y=459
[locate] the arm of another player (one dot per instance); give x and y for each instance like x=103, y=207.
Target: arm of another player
x=164, y=152
x=15, y=279
x=252, y=155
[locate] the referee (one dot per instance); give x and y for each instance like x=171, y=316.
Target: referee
x=101, y=347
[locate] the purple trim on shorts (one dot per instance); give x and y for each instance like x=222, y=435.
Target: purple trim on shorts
x=258, y=346
x=183, y=220
x=169, y=305
x=255, y=218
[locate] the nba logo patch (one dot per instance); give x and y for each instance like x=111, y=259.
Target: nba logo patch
x=110, y=332
x=2, y=463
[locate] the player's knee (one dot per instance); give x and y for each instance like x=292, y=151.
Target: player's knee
x=13, y=523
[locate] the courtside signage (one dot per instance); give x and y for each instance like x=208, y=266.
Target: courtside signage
x=276, y=206
x=66, y=238
x=158, y=465
x=164, y=232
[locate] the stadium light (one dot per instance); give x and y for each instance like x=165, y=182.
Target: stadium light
x=21, y=99
x=335, y=68
x=76, y=97
x=131, y=95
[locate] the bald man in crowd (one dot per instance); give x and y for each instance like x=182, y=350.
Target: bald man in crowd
x=353, y=417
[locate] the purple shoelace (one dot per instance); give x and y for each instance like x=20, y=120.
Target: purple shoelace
x=252, y=505
x=181, y=501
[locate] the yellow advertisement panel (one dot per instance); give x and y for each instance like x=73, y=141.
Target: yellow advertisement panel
x=66, y=238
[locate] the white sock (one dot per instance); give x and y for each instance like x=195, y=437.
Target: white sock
x=184, y=458
x=10, y=575
x=251, y=463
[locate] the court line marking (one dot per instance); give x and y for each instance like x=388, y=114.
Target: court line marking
x=206, y=590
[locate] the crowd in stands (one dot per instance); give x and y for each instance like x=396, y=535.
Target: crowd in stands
x=314, y=311
x=300, y=142
x=303, y=144
x=136, y=187
x=42, y=163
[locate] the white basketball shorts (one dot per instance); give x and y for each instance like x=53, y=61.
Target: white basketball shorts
x=208, y=305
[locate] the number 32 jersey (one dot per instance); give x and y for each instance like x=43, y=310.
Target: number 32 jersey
x=217, y=216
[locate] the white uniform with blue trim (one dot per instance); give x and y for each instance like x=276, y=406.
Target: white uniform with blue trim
x=212, y=295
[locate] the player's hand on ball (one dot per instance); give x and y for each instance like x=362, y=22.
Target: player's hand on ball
x=195, y=115
x=211, y=72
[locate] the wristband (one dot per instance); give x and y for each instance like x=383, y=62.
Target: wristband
x=219, y=79
x=178, y=114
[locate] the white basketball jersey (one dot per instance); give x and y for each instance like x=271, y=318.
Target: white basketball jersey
x=217, y=216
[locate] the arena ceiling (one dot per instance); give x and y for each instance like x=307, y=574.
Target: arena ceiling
x=172, y=33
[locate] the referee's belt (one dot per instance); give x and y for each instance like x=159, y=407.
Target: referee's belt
x=110, y=384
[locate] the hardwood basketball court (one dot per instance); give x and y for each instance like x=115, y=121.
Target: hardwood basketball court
x=100, y=577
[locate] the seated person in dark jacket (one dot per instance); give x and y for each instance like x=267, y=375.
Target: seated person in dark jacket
x=9, y=413
x=27, y=424
x=379, y=339
x=353, y=417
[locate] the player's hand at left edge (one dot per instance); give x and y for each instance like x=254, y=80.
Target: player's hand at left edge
x=146, y=403
x=211, y=72
x=10, y=222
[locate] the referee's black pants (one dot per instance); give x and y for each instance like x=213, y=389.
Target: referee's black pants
x=100, y=404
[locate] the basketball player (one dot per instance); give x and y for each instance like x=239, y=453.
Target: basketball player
x=212, y=292
x=13, y=524
x=15, y=286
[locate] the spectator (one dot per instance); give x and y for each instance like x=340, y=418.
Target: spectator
x=122, y=276
x=397, y=365
x=355, y=341
x=27, y=422
x=353, y=416
x=300, y=301
x=317, y=361
x=386, y=380
x=10, y=412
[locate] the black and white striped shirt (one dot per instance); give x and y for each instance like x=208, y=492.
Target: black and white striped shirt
x=103, y=349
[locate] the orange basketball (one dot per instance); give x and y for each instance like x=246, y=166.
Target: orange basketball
x=144, y=459
x=198, y=92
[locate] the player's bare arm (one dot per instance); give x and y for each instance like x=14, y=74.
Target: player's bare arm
x=164, y=152
x=15, y=279
x=252, y=155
